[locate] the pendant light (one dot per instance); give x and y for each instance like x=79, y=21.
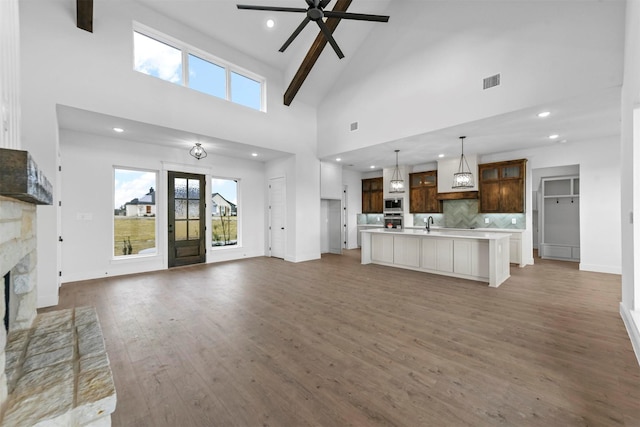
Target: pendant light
x=463, y=178
x=198, y=152
x=396, y=185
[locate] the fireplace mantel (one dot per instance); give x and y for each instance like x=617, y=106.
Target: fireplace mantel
x=21, y=179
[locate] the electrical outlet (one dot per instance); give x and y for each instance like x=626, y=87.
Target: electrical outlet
x=486, y=220
x=425, y=220
x=513, y=220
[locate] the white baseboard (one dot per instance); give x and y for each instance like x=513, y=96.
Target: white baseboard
x=633, y=329
x=611, y=269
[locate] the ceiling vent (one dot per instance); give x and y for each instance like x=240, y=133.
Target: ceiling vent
x=490, y=82
x=354, y=126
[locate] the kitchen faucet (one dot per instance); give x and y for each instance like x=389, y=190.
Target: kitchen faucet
x=428, y=227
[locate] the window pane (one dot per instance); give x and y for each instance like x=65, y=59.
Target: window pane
x=224, y=212
x=181, y=230
x=194, y=189
x=194, y=230
x=181, y=209
x=134, y=228
x=180, y=185
x=245, y=91
x=207, y=77
x=194, y=209
x=157, y=59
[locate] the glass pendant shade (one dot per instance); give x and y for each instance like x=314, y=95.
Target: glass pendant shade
x=396, y=185
x=463, y=178
x=198, y=152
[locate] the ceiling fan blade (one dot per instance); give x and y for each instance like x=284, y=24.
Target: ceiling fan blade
x=327, y=34
x=270, y=8
x=303, y=24
x=356, y=16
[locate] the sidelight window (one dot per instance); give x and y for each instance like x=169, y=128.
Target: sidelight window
x=224, y=212
x=134, y=212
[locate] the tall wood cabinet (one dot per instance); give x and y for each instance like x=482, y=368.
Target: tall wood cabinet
x=502, y=186
x=423, y=192
x=372, y=195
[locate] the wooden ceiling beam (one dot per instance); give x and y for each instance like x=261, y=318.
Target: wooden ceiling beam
x=84, y=15
x=314, y=53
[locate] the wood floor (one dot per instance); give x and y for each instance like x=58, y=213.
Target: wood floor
x=263, y=342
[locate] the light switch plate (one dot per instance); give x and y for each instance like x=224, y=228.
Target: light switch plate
x=486, y=220
x=513, y=220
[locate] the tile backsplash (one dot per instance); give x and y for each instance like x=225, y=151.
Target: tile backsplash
x=370, y=218
x=457, y=214
x=464, y=214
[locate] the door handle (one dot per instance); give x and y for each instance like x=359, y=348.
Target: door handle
x=170, y=228
x=281, y=228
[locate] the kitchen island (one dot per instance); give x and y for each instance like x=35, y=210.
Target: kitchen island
x=468, y=254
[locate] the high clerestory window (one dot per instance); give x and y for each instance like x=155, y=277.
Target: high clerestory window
x=161, y=56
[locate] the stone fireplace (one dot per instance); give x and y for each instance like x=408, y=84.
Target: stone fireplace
x=54, y=369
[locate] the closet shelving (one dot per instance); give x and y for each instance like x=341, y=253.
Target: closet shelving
x=560, y=222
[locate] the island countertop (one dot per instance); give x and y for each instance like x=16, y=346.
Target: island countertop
x=442, y=232
x=469, y=254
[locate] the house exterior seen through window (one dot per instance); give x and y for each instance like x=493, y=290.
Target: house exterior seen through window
x=163, y=57
x=224, y=212
x=134, y=213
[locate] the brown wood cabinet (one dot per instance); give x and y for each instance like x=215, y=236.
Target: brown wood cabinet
x=372, y=195
x=423, y=193
x=502, y=186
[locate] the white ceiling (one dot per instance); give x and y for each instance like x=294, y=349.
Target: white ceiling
x=585, y=118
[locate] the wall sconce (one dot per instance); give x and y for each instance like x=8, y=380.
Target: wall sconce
x=198, y=152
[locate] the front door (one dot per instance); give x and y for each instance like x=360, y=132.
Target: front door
x=186, y=219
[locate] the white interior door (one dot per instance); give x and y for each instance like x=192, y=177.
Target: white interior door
x=277, y=217
x=335, y=226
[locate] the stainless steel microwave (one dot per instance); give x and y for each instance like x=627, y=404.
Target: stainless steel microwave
x=393, y=205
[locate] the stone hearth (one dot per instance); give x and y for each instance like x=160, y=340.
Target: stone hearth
x=53, y=367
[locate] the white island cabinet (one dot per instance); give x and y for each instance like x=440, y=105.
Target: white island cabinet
x=474, y=255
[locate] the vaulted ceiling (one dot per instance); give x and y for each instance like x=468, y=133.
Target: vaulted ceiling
x=592, y=116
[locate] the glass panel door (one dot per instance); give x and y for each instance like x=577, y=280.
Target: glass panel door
x=186, y=219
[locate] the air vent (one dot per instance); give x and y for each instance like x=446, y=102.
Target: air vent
x=490, y=82
x=354, y=126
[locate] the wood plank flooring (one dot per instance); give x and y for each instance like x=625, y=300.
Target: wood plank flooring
x=263, y=342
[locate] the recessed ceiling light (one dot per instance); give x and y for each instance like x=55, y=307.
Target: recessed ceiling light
x=441, y=155
x=372, y=167
x=544, y=114
x=119, y=130
x=254, y=154
x=562, y=141
x=554, y=136
x=338, y=159
x=270, y=23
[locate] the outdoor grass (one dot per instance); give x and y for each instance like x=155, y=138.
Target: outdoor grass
x=141, y=231
x=231, y=228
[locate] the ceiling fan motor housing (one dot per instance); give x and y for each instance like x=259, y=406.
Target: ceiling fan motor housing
x=315, y=14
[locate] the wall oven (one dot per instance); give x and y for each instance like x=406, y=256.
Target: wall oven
x=393, y=205
x=393, y=220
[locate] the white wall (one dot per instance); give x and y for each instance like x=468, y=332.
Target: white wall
x=62, y=64
x=330, y=181
x=404, y=83
x=87, y=188
x=630, y=175
x=599, y=196
x=353, y=181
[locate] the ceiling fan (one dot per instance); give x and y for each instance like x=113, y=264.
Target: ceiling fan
x=316, y=12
